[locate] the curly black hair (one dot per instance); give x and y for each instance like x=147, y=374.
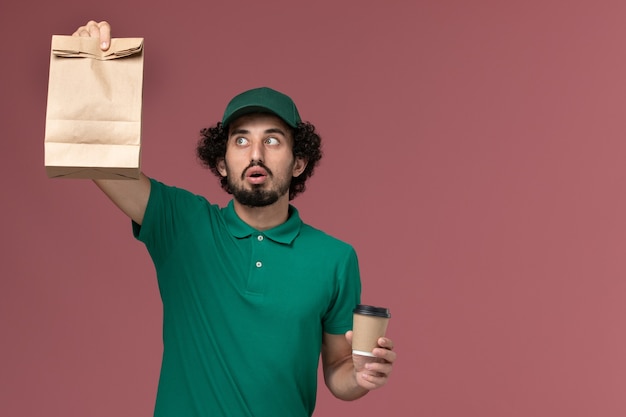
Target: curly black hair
x=307, y=144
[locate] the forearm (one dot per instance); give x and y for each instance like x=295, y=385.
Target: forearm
x=131, y=196
x=340, y=378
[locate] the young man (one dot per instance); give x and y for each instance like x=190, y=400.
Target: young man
x=251, y=295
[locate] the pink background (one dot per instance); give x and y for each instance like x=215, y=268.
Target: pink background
x=474, y=156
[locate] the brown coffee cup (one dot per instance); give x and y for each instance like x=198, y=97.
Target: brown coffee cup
x=369, y=324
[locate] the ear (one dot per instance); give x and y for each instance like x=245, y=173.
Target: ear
x=299, y=166
x=221, y=167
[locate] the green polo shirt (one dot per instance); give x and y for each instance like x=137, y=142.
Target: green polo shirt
x=243, y=310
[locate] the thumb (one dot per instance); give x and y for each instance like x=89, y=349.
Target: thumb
x=349, y=337
x=105, y=35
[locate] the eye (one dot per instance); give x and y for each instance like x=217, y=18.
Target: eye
x=241, y=141
x=272, y=141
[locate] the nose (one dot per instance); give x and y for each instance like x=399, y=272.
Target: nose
x=256, y=151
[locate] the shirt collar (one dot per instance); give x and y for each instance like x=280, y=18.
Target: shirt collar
x=283, y=233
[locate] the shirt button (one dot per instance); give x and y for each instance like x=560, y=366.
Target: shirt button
x=259, y=264
x=260, y=238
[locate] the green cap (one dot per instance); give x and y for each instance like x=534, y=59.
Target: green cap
x=263, y=100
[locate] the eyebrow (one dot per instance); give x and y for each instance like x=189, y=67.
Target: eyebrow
x=245, y=131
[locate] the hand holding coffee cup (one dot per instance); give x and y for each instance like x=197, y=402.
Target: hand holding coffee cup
x=369, y=324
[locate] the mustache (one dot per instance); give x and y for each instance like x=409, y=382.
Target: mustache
x=259, y=164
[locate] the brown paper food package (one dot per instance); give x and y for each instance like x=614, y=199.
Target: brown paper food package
x=93, y=116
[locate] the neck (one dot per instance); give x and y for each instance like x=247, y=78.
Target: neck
x=264, y=218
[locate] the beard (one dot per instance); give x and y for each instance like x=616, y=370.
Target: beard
x=257, y=196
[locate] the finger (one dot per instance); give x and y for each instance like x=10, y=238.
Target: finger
x=105, y=35
x=81, y=31
x=349, y=337
x=386, y=354
x=379, y=368
x=90, y=29
x=371, y=382
x=385, y=343
x=94, y=28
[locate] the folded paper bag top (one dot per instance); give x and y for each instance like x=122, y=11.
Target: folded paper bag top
x=85, y=47
x=93, y=116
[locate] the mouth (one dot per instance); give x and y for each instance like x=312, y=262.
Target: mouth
x=256, y=175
